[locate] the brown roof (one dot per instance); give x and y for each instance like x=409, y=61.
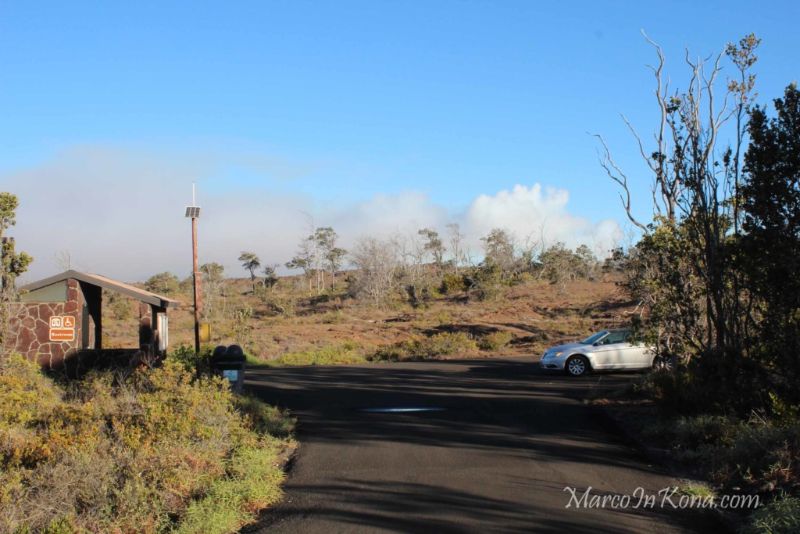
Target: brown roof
x=106, y=283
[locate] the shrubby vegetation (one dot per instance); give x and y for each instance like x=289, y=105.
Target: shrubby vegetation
x=396, y=270
x=348, y=352
x=430, y=347
x=12, y=263
x=781, y=516
x=715, y=275
x=495, y=341
x=163, y=283
x=714, y=271
x=149, y=450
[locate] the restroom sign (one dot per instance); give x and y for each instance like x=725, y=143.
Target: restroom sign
x=62, y=328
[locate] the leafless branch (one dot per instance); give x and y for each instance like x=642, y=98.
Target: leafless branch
x=615, y=173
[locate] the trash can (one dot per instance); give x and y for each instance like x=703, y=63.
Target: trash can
x=228, y=362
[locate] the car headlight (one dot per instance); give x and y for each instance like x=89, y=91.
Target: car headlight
x=557, y=354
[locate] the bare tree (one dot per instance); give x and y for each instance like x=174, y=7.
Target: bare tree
x=377, y=264
x=456, y=238
x=63, y=260
x=213, y=282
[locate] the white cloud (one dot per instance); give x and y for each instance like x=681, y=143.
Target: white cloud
x=120, y=213
x=539, y=214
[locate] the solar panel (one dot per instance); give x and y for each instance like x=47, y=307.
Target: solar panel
x=193, y=211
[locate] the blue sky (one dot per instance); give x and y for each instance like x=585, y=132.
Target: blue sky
x=337, y=102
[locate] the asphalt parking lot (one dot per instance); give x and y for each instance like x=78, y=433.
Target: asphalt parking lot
x=455, y=446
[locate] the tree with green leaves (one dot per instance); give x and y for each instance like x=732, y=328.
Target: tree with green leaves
x=305, y=259
x=433, y=245
x=12, y=263
x=250, y=263
x=332, y=255
x=770, y=247
x=164, y=283
x=694, y=301
x=270, y=276
x=498, y=247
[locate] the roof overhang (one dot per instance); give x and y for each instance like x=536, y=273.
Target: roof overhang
x=106, y=283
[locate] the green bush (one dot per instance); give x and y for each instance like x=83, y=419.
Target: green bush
x=121, y=306
x=757, y=455
x=164, y=283
x=155, y=451
x=264, y=418
x=494, y=341
x=453, y=283
x=278, y=304
x=333, y=317
x=348, y=352
x=781, y=516
x=423, y=348
x=186, y=357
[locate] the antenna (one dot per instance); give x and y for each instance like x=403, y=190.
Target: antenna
x=193, y=212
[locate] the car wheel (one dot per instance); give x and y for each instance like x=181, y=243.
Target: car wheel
x=661, y=363
x=577, y=366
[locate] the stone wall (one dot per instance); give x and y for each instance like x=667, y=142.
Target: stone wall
x=29, y=328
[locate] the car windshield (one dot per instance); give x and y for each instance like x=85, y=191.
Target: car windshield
x=594, y=338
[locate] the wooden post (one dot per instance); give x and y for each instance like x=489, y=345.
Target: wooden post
x=197, y=278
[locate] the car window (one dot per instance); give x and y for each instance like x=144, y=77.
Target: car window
x=594, y=338
x=620, y=336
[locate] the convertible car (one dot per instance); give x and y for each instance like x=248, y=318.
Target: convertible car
x=609, y=349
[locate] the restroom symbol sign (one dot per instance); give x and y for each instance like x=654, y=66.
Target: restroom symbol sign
x=62, y=328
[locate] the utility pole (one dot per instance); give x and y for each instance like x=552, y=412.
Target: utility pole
x=193, y=212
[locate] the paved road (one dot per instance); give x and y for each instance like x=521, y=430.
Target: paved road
x=496, y=456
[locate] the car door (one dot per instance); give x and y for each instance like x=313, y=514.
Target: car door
x=640, y=355
x=609, y=352
x=630, y=354
x=635, y=354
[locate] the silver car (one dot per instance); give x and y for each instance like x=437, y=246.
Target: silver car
x=609, y=349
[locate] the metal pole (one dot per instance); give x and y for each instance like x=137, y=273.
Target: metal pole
x=196, y=276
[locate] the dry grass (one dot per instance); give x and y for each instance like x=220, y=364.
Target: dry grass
x=522, y=320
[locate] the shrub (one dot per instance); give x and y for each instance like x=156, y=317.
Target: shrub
x=165, y=283
x=121, y=306
x=757, y=455
x=495, y=340
x=422, y=348
x=345, y=353
x=186, y=357
x=762, y=457
x=453, y=283
x=277, y=304
x=781, y=516
x=155, y=451
x=333, y=317
x=242, y=329
x=674, y=392
x=263, y=417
